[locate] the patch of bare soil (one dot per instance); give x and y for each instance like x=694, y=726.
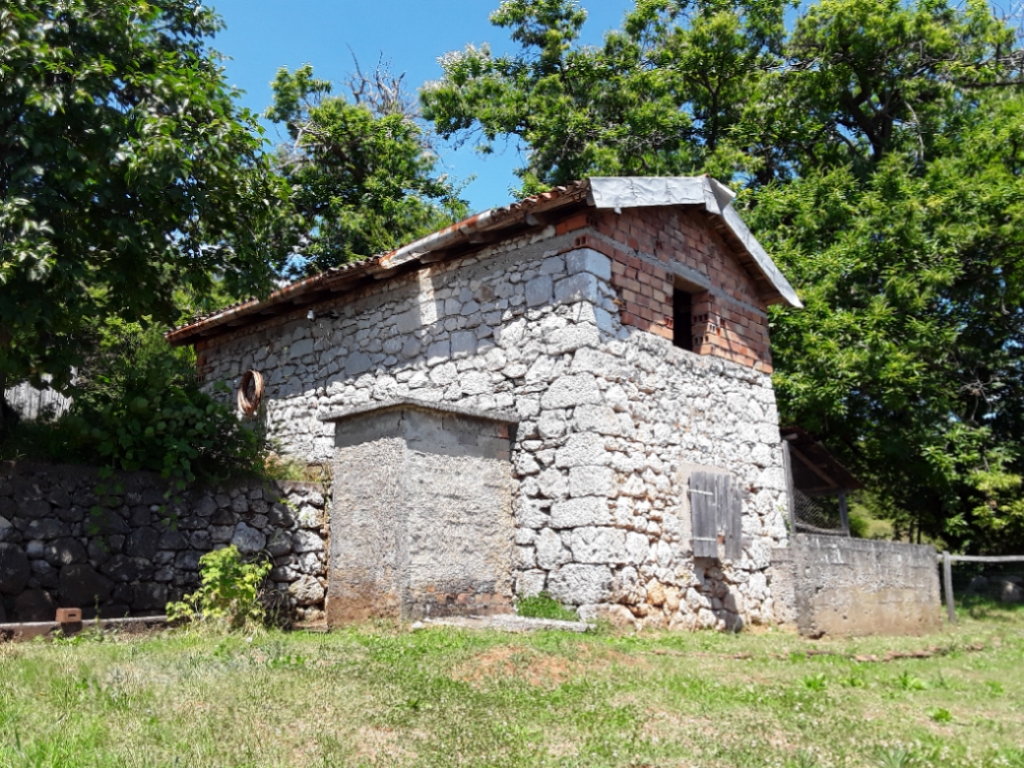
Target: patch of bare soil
x=512, y=661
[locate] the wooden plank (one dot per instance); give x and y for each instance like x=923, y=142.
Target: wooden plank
x=734, y=529
x=805, y=528
x=702, y=509
x=947, y=583
x=721, y=506
x=721, y=509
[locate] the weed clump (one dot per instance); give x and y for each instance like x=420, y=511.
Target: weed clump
x=229, y=591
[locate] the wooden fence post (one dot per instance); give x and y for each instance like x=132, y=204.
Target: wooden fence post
x=787, y=465
x=947, y=583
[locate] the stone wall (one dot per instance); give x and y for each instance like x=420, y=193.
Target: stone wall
x=69, y=539
x=833, y=585
x=609, y=415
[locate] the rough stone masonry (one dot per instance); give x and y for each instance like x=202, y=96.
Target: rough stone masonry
x=566, y=321
x=71, y=539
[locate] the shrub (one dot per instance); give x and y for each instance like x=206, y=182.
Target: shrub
x=858, y=526
x=544, y=606
x=138, y=405
x=229, y=591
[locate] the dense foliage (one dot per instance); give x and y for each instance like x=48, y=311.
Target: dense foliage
x=877, y=148
x=138, y=406
x=126, y=172
x=363, y=180
x=658, y=98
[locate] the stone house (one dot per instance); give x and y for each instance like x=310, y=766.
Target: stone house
x=571, y=393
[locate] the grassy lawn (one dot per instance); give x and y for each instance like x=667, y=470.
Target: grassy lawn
x=381, y=695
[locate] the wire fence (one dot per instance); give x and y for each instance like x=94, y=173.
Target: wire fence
x=981, y=578
x=817, y=514
x=998, y=581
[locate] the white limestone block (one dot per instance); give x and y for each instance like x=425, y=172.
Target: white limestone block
x=571, y=390
x=585, y=511
x=576, y=584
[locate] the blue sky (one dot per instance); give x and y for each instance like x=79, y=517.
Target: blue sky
x=263, y=35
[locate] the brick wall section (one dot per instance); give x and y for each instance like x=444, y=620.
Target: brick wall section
x=722, y=325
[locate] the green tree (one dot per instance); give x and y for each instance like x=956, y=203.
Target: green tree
x=877, y=150
x=895, y=208
x=126, y=172
x=363, y=178
x=658, y=98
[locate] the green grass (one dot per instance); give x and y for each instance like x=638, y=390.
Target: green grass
x=544, y=606
x=382, y=695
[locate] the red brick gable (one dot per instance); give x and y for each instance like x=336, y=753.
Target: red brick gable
x=650, y=248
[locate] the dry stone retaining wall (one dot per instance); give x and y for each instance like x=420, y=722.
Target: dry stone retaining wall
x=612, y=419
x=70, y=539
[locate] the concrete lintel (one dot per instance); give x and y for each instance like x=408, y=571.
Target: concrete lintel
x=351, y=412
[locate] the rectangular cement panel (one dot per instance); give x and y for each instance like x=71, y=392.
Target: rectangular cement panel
x=421, y=520
x=459, y=531
x=367, y=552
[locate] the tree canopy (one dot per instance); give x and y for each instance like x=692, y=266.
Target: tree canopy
x=659, y=97
x=876, y=145
x=126, y=172
x=363, y=179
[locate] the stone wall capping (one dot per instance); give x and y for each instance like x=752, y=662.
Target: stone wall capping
x=336, y=415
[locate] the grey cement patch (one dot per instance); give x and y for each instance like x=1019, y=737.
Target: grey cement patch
x=421, y=516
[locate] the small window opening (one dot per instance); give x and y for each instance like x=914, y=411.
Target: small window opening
x=682, y=318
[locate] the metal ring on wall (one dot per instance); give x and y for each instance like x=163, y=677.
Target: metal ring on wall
x=246, y=404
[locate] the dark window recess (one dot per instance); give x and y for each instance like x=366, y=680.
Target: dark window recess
x=682, y=319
